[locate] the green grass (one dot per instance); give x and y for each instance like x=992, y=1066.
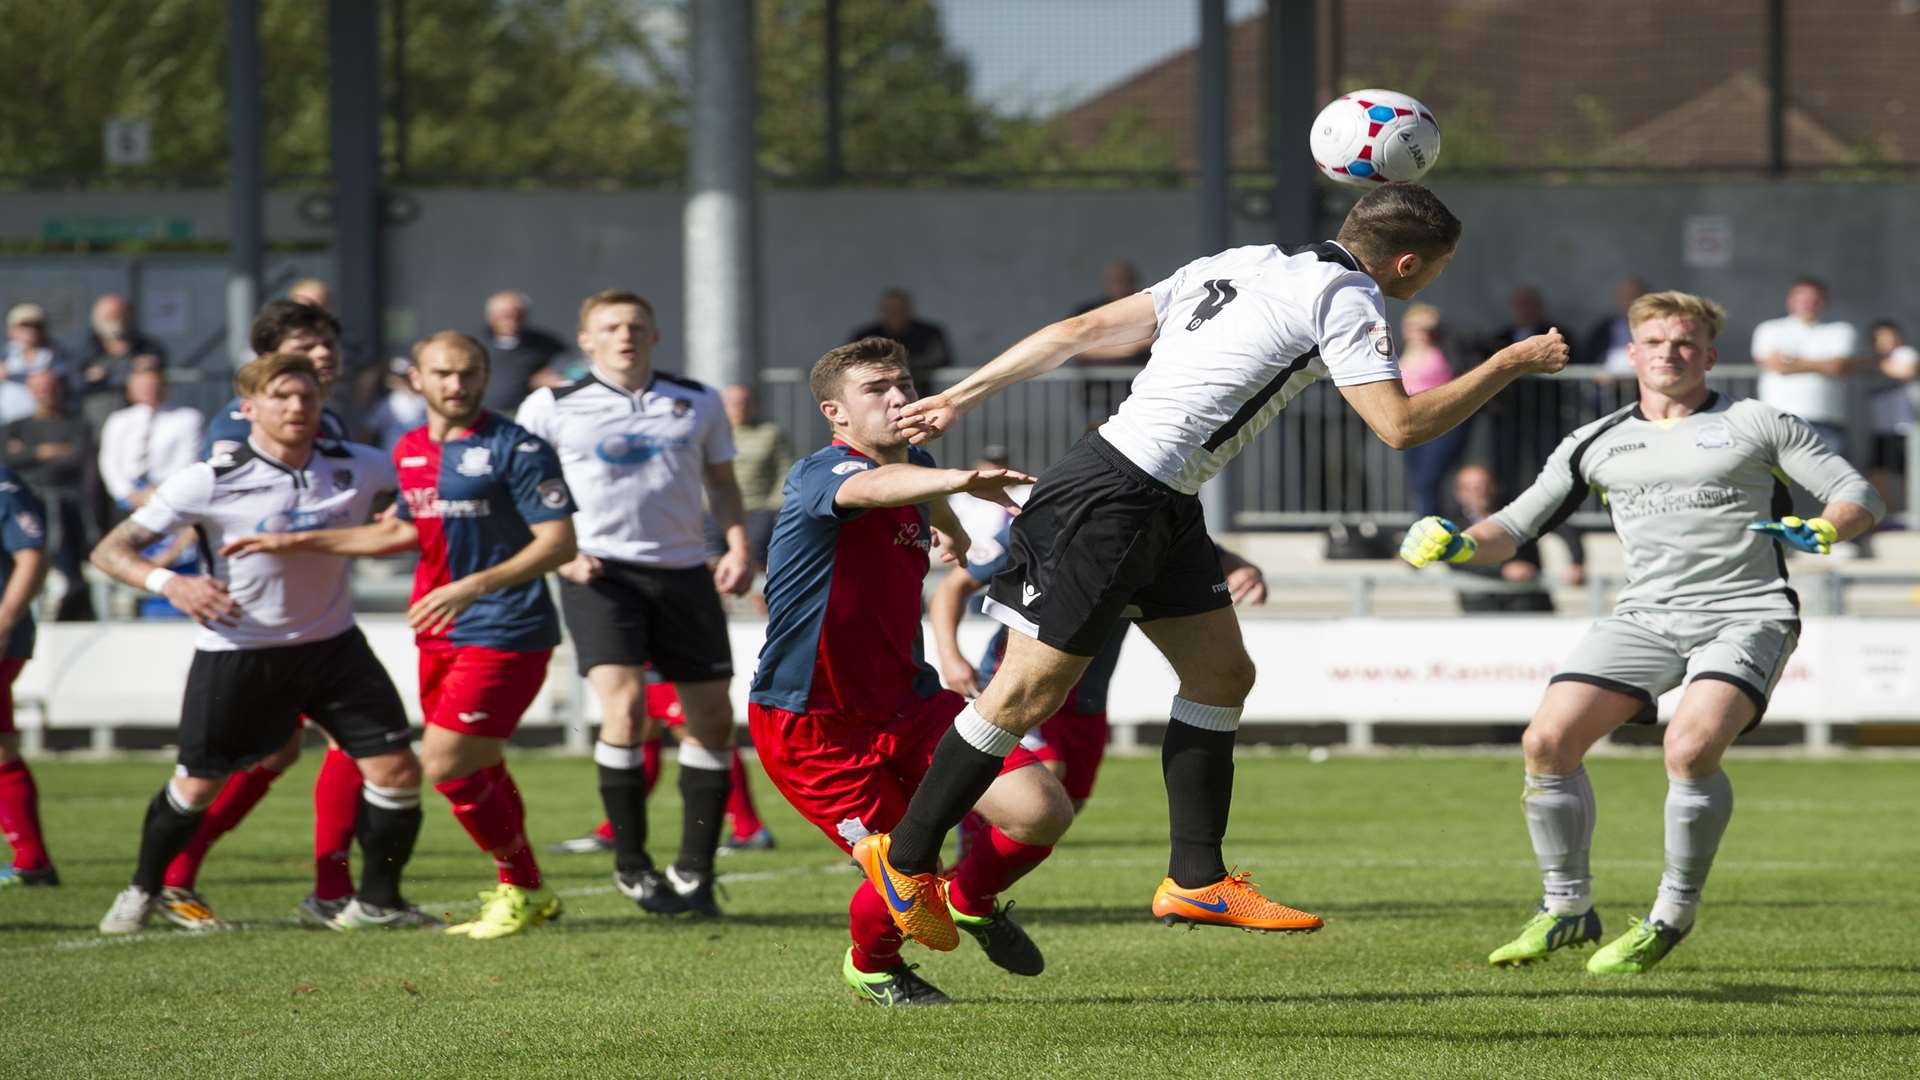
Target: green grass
x=1804, y=962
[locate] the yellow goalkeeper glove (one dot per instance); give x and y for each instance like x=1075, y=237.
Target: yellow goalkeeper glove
x=1436, y=538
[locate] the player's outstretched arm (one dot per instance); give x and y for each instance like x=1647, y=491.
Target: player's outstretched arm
x=1122, y=322
x=945, y=608
x=387, y=536
x=1401, y=421
x=1436, y=539
x=552, y=545
x=117, y=555
x=910, y=485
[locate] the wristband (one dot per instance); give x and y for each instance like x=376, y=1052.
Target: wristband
x=156, y=582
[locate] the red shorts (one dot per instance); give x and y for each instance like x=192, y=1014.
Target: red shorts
x=663, y=704
x=852, y=774
x=9, y=671
x=475, y=690
x=1078, y=741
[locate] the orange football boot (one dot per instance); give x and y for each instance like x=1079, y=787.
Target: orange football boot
x=917, y=902
x=1231, y=901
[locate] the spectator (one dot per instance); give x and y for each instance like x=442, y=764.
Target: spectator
x=52, y=450
x=1476, y=495
x=925, y=342
x=149, y=440
x=30, y=348
x=1606, y=343
x=762, y=456
x=1804, y=363
x=112, y=349
x=521, y=357
x=1424, y=366
x=1119, y=279
x=312, y=291
x=399, y=410
x=1893, y=408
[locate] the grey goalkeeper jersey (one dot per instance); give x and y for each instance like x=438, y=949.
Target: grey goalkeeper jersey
x=1682, y=493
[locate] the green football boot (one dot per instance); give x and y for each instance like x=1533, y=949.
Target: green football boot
x=1543, y=934
x=1636, y=951
x=898, y=986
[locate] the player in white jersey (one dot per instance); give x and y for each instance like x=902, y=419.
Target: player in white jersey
x=1115, y=530
x=640, y=448
x=277, y=636
x=1694, y=484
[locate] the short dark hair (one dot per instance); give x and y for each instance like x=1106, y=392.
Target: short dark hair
x=1397, y=218
x=1811, y=282
x=830, y=371
x=1885, y=324
x=279, y=320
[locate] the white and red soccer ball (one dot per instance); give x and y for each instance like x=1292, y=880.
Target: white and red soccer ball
x=1372, y=136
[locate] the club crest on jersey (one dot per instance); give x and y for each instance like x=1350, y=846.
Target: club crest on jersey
x=682, y=407
x=1382, y=337
x=30, y=524
x=1713, y=436
x=553, y=493
x=342, y=479
x=475, y=461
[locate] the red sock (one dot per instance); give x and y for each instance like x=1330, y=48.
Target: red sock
x=490, y=813
x=336, y=808
x=605, y=831
x=20, y=816
x=499, y=775
x=876, y=941
x=649, y=764
x=241, y=793
x=746, y=820
x=994, y=861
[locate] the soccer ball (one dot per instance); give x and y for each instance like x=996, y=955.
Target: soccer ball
x=1373, y=136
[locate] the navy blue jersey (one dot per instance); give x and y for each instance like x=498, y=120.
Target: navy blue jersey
x=473, y=499
x=1089, y=695
x=230, y=426
x=843, y=596
x=25, y=526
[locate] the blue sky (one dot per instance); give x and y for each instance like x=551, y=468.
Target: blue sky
x=1048, y=54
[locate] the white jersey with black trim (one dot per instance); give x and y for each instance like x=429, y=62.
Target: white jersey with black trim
x=284, y=599
x=635, y=462
x=1240, y=334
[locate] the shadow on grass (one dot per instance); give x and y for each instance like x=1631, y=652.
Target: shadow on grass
x=1721, y=994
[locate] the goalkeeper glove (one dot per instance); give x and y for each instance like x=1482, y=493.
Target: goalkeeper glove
x=1433, y=538
x=1815, y=535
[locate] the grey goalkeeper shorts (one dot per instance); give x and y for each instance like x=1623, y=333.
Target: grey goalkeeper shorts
x=1644, y=654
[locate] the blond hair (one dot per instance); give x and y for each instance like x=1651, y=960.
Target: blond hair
x=609, y=297
x=258, y=373
x=1675, y=304
x=455, y=340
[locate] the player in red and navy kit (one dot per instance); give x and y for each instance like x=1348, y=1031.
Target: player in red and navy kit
x=486, y=506
x=844, y=712
x=23, y=568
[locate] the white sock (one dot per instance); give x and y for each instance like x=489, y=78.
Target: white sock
x=982, y=735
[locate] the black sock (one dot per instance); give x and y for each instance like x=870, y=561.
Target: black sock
x=386, y=834
x=956, y=779
x=165, y=831
x=1197, y=766
x=623, y=791
x=703, y=807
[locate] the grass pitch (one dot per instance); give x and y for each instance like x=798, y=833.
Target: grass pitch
x=1804, y=962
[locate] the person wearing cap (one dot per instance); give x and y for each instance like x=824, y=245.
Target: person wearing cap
x=30, y=348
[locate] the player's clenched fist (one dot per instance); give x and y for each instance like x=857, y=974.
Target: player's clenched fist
x=1540, y=354
x=1436, y=538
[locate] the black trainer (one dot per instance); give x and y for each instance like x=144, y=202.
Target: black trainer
x=11, y=875
x=898, y=986
x=1005, y=943
x=651, y=890
x=695, y=891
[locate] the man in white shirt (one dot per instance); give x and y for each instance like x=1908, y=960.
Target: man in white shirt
x=149, y=440
x=1804, y=363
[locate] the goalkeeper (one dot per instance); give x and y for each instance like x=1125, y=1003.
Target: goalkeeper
x=1695, y=485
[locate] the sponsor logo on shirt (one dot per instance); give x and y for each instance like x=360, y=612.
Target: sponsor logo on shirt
x=909, y=536
x=634, y=449
x=1661, y=498
x=553, y=493
x=1382, y=337
x=846, y=467
x=290, y=521
x=475, y=461
x=427, y=503
x=1622, y=448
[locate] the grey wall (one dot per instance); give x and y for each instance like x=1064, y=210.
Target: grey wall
x=993, y=265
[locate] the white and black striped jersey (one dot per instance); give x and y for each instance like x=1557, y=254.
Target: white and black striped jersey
x=636, y=463
x=1240, y=334
x=284, y=599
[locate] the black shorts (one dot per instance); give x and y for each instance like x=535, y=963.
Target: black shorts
x=243, y=705
x=635, y=615
x=1100, y=541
